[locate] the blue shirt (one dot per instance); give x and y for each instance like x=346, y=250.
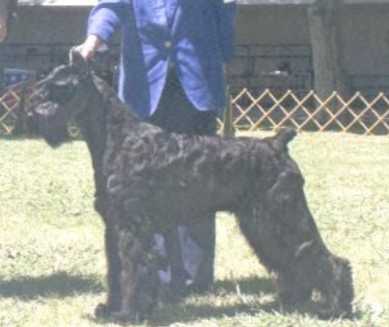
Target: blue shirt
x=194, y=35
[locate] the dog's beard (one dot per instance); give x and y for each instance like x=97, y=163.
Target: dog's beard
x=51, y=123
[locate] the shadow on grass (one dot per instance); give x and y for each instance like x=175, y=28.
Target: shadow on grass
x=57, y=285
x=190, y=312
x=205, y=307
x=251, y=285
x=185, y=312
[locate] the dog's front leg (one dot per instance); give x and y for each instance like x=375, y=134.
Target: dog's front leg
x=130, y=252
x=113, y=274
x=173, y=249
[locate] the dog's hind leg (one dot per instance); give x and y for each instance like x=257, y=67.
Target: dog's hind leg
x=336, y=285
x=263, y=236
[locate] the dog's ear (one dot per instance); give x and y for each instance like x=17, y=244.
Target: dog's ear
x=77, y=61
x=283, y=137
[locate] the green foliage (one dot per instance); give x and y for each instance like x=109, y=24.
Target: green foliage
x=51, y=246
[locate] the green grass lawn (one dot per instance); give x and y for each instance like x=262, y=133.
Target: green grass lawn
x=52, y=263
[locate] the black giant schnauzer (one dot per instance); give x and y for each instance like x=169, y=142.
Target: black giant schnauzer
x=148, y=180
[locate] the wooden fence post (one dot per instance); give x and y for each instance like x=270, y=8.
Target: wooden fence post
x=228, y=125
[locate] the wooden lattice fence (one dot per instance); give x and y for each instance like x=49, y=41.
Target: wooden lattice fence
x=270, y=110
x=266, y=110
x=12, y=102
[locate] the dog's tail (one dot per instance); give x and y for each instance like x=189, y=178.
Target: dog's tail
x=283, y=137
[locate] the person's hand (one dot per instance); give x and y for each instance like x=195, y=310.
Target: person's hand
x=88, y=49
x=3, y=30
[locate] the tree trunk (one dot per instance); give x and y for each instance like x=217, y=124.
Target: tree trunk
x=7, y=9
x=324, y=28
x=3, y=19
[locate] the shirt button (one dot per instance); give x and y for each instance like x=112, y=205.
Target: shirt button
x=168, y=44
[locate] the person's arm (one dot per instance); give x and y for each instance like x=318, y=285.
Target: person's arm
x=104, y=19
x=225, y=15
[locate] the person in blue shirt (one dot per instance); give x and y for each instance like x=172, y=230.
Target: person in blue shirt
x=171, y=73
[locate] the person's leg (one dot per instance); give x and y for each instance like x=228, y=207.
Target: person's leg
x=203, y=233
x=169, y=117
x=176, y=114
x=179, y=275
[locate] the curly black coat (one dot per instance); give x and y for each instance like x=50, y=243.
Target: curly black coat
x=147, y=180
